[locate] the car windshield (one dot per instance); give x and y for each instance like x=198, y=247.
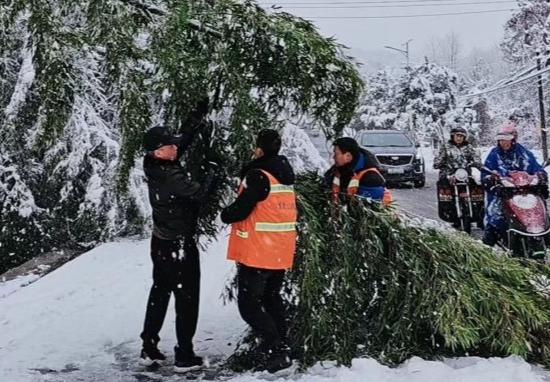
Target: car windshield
x=385, y=140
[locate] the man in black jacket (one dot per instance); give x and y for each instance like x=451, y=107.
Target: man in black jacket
x=259, y=286
x=176, y=267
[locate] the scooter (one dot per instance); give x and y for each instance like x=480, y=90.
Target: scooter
x=468, y=201
x=528, y=232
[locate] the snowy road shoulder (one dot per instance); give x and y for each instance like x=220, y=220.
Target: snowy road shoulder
x=82, y=323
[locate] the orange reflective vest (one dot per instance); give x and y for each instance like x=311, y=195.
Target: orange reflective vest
x=267, y=237
x=353, y=186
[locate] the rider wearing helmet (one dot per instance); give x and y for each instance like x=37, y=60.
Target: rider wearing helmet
x=454, y=154
x=506, y=156
x=510, y=127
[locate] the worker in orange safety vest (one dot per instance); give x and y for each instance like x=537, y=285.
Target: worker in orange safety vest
x=355, y=173
x=262, y=242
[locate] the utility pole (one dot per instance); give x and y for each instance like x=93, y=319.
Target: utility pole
x=541, y=109
x=402, y=51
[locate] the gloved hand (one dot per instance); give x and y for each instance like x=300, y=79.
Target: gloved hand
x=490, y=181
x=213, y=160
x=543, y=177
x=207, y=187
x=543, y=184
x=500, y=191
x=197, y=114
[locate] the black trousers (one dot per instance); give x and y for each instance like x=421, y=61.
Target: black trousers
x=176, y=269
x=261, y=305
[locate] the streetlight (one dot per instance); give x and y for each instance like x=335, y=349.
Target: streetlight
x=405, y=52
x=412, y=125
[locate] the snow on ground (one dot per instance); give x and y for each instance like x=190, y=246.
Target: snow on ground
x=82, y=318
x=12, y=286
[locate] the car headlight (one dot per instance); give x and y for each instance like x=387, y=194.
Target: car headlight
x=419, y=158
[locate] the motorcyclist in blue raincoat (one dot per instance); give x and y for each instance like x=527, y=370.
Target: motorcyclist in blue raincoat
x=507, y=156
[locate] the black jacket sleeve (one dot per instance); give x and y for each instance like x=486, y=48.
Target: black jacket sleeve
x=256, y=190
x=328, y=177
x=194, y=122
x=181, y=185
x=187, y=136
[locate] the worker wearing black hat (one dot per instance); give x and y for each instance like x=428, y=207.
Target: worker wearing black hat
x=174, y=200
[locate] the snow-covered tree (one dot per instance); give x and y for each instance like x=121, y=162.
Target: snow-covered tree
x=465, y=117
x=426, y=93
x=479, y=75
x=527, y=122
x=300, y=151
x=527, y=32
x=378, y=109
x=422, y=100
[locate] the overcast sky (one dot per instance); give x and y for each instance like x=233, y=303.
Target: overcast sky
x=348, y=22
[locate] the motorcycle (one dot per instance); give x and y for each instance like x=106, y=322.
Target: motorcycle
x=467, y=198
x=528, y=223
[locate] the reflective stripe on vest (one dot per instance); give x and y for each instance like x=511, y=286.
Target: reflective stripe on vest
x=242, y=234
x=354, y=183
x=278, y=188
x=275, y=227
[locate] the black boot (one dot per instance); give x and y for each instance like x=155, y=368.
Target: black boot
x=278, y=359
x=150, y=354
x=151, y=357
x=186, y=360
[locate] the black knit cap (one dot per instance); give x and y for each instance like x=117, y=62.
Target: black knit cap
x=269, y=141
x=348, y=145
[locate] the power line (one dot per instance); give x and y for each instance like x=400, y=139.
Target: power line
x=395, y=6
x=406, y=16
x=506, y=83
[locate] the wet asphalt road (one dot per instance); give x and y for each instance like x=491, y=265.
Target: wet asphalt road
x=418, y=201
